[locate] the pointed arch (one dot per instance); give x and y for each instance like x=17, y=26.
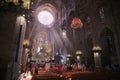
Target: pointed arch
x=106, y=40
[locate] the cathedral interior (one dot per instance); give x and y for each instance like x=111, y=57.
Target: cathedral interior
x=58, y=31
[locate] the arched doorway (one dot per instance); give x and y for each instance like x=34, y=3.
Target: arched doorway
x=108, y=47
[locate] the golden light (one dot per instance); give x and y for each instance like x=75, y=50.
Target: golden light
x=96, y=48
x=78, y=52
x=49, y=50
x=68, y=59
x=26, y=43
x=78, y=57
x=96, y=54
x=76, y=23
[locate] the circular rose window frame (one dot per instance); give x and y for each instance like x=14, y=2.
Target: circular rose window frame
x=45, y=17
x=48, y=8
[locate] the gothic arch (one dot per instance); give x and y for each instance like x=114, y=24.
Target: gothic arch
x=106, y=41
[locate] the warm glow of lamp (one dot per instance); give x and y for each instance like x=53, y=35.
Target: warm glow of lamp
x=78, y=57
x=78, y=52
x=96, y=48
x=26, y=43
x=76, y=23
x=68, y=55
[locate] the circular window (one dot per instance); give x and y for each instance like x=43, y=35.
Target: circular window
x=45, y=17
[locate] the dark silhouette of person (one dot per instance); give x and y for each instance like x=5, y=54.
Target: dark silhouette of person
x=36, y=70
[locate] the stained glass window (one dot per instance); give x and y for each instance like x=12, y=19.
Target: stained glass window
x=102, y=16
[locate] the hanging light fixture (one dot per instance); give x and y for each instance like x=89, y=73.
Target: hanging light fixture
x=76, y=23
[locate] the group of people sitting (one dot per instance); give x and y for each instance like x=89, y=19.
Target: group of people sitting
x=25, y=75
x=56, y=68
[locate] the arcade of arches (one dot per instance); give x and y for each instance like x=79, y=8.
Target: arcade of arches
x=28, y=36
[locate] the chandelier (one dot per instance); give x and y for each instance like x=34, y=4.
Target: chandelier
x=76, y=23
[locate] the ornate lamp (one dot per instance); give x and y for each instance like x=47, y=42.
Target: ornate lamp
x=76, y=23
x=78, y=52
x=26, y=43
x=97, y=58
x=96, y=48
x=78, y=56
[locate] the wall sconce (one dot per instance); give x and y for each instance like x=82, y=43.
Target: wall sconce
x=26, y=43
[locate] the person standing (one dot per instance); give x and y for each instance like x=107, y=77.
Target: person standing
x=36, y=70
